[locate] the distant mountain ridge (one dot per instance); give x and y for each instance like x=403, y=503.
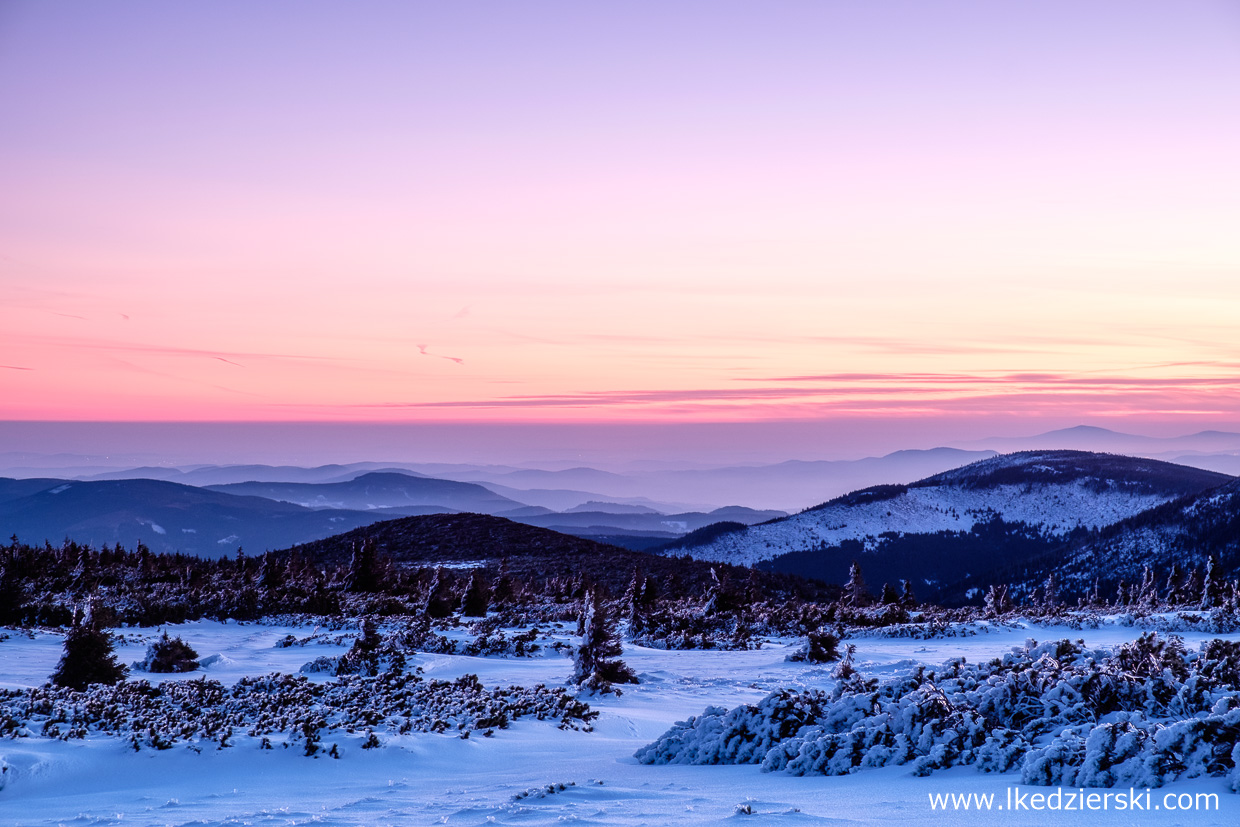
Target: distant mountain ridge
x=783, y=486
x=166, y=516
x=378, y=489
x=970, y=519
x=1096, y=439
x=213, y=521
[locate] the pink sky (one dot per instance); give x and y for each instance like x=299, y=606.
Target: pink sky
x=940, y=215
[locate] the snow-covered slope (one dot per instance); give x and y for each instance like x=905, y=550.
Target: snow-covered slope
x=1054, y=492
x=1185, y=532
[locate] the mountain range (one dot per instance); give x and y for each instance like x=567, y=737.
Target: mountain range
x=215, y=520
x=1012, y=518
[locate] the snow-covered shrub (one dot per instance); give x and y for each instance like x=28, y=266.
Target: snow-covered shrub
x=491, y=640
x=820, y=647
x=206, y=712
x=743, y=735
x=419, y=635
x=168, y=655
x=322, y=665
x=1139, y=715
x=932, y=628
x=369, y=655
x=543, y=792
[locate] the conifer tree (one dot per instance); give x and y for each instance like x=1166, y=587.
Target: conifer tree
x=1211, y=585
x=996, y=602
x=597, y=665
x=1175, y=585
x=503, y=592
x=270, y=575
x=1148, y=593
x=476, y=600
x=1050, y=591
x=88, y=658
x=846, y=669
x=363, y=576
x=439, y=598
x=753, y=589
x=855, y=593
x=631, y=604
x=650, y=592
x=907, y=599
x=1192, y=586
x=720, y=597
x=11, y=596
x=632, y=594
x=82, y=571
x=363, y=657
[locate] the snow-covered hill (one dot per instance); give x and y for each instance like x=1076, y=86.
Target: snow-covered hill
x=1042, y=496
x=1186, y=532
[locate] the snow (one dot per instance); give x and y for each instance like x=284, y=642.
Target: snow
x=1056, y=507
x=588, y=777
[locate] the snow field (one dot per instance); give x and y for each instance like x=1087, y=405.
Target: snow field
x=427, y=778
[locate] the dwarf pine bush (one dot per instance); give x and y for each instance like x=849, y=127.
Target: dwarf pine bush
x=1142, y=714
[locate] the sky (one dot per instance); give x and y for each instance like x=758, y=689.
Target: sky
x=914, y=218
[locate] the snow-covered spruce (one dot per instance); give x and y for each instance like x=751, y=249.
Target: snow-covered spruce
x=597, y=665
x=207, y=712
x=1142, y=714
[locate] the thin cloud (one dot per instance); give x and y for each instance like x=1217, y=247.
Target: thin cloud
x=14, y=367
x=129, y=347
x=423, y=350
x=184, y=380
x=1049, y=380
x=891, y=392
x=228, y=361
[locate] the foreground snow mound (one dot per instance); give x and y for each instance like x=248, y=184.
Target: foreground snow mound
x=1142, y=714
x=205, y=711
